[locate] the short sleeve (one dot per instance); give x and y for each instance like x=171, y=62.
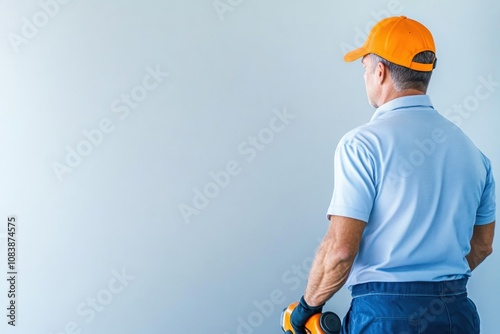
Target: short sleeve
x=354, y=187
x=486, y=211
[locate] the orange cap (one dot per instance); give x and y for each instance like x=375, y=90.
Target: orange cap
x=397, y=39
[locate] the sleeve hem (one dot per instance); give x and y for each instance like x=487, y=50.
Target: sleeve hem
x=485, y=221
x=347, y=212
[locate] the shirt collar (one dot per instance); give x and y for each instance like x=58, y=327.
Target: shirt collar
x=405, y=102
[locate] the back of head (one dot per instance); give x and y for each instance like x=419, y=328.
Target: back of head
x=405, y=47
x=406, y=78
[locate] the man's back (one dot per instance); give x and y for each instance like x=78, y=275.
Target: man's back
x=422, y=181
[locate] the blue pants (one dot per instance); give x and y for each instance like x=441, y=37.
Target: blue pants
x=411, y=308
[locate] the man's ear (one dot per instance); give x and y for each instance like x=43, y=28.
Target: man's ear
x=381, y=73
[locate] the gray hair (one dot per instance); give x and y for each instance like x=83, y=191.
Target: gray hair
x=405, y=78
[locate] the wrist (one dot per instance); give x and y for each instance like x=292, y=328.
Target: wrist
x=308, y=306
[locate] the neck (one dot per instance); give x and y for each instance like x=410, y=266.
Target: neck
x=394, y=94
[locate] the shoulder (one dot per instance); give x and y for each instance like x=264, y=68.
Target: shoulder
x=364, y=137
x=355, y=136
x=358, y=146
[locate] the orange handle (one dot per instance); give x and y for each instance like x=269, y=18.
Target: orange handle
x=313, y=325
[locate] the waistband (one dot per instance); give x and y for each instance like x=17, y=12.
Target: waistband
x=442, y=288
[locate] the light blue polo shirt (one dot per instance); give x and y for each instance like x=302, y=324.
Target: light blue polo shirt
x=420, y=184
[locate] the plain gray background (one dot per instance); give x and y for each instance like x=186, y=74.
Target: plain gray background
x=66, y=68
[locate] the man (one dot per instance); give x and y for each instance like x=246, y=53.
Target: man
x=413, y=206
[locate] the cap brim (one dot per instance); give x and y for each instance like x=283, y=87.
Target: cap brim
x=355, y=54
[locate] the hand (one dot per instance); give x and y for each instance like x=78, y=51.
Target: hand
x=301, y=314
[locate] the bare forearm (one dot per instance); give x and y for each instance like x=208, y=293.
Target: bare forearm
x=328, y=274
x=475, y=257
x=481, y=244
x=334, y=259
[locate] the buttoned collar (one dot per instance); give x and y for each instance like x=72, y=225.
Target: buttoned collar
x=405, y=102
